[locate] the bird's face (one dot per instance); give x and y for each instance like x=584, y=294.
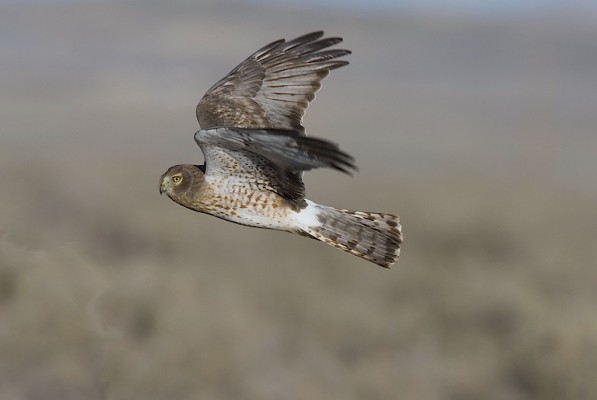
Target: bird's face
x=178, y=179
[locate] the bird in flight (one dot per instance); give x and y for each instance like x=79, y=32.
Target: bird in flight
x=256, y=151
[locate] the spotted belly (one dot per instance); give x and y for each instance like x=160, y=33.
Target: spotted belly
x=246, y=206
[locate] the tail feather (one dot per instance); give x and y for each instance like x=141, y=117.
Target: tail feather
x=375, y=237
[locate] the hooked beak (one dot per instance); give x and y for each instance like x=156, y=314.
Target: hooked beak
x=162, y=188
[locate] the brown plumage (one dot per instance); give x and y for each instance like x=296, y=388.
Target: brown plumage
x=272, y=88
x=256, y=151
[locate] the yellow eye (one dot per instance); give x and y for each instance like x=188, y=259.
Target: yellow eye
x=177, y=178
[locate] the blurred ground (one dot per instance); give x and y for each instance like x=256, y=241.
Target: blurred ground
x=480, y=132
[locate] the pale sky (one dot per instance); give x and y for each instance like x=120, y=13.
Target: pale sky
x=472, y=6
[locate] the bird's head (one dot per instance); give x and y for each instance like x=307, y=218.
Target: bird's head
x=181, y=179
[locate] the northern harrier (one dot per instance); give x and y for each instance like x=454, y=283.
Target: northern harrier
x=256, y=150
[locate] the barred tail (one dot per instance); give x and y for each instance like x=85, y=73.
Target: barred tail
x=375, y=237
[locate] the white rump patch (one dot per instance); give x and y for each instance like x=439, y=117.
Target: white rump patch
x=307, y=217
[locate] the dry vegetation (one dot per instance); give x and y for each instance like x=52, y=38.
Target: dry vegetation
x=108, y=291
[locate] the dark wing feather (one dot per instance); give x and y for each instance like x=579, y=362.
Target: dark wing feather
x=274, y=157
x=273, y=87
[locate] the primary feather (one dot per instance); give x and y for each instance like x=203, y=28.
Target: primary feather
x=272, y=88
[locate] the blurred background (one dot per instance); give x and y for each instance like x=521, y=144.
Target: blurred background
x=475, y=121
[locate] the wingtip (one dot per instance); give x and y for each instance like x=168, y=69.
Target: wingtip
x=314, y=35
x=301, y=40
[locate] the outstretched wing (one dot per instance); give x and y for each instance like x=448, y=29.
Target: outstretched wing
x=270, y=159
x=273, y=87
